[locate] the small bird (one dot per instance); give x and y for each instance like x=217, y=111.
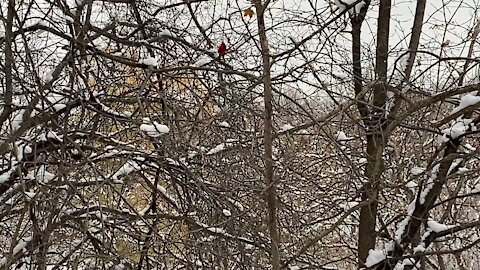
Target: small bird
x=222, y=49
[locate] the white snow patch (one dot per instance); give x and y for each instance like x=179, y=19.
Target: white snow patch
x=213, y=50
x=429, y=184
x=127, y=168
x=403, y=224
x=153, y=129
x=17, y=119
x=341, y=136
x=237, y=204
x=173, y=162
x=226, y=212
x=467, y=100
x=69, y=19
x=401, y=228
x=406, y=262
x=94, y=230
x=420, y=248
x=10, y=201
x=343, y=4
x=349, y=205
x=457, y=129
x=340, y=75
x=286, y=127
x=469, y=148
x=411, y=185
x=208, y=238
x=165, y=193
x=454, y=164
x=435, y=226
x=21, y=245
x=417, y=170
x=221, y=147
x=216, y=230
x=192, y=154
x=388, y=247
x=150, y=61
x=248, y=246
x=216, y=149
x=54, y=135
x=54, y=98
x=50, y=135
x=27, y=149
x=202, y=61
x=166, y=32
x=375, y=256
x=58, y=107
x=224, y=124
x=48, y=77
x=4, y=177
x=120, y=266
x=42, y=23
x=74, y=3
x=30, y=194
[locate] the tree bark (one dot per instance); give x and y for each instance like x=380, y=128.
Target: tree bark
x=8, y=94
x=375, y=122
x=271, y=194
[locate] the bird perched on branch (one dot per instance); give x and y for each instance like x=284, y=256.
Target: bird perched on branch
x=222, y=49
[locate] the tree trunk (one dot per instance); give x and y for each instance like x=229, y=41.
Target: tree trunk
x=375, y=121
x=271, y=195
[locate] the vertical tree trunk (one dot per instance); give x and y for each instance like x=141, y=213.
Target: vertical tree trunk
x=271, y=196
x=375, y=121
x=7, y=95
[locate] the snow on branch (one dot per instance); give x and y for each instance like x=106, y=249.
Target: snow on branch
x=469, y=99
x=354, y=6
x=127, y=168
x=20, y=246
x=153, y=129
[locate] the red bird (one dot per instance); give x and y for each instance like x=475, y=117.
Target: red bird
x=222, y=49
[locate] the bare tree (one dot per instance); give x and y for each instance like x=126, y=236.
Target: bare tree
x=139, y=134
